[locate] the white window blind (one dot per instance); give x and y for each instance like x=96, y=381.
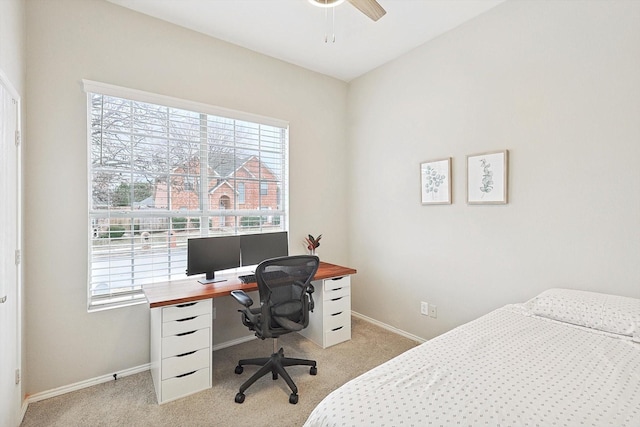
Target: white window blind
x=163, y=170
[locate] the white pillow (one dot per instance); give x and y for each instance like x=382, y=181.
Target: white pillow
x=609, y=313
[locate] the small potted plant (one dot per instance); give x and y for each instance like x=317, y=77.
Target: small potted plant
x=312, y=243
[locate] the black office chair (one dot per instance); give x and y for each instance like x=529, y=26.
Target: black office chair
x=285, y=291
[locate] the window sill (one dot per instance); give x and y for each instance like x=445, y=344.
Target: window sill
x=116, y=302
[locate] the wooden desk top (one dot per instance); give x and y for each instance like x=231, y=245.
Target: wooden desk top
x=181, y=291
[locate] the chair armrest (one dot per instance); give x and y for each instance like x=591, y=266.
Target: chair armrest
x=242, y=298
x=310, y=291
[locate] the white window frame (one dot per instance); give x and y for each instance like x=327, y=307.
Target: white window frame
x=135, y=295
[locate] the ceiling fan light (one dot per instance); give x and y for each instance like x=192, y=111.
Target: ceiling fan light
x=326, y=3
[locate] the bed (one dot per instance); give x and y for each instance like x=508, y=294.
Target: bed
x=564, y=358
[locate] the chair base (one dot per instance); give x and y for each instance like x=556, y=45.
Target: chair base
x=274, y=364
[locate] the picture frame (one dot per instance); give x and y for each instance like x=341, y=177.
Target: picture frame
x=487, y=178
x=435, y=182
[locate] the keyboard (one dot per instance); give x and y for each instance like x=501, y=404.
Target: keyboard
x=248, y=278
x=268, y=275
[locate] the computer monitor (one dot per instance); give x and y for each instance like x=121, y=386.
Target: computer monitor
x=210, y=254
x=255, y=248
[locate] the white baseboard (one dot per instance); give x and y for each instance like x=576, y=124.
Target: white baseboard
x=233, y=342
x=388, y=327
x=25, y=405
x=82, y=384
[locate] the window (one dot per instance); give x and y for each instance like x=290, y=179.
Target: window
x=163, y=170
x=264, y=188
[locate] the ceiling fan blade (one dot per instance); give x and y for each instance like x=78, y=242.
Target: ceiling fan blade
x=371, y=8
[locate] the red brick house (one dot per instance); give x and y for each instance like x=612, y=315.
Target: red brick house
x=236, y=183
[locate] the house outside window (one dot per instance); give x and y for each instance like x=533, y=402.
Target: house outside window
x=163, y=170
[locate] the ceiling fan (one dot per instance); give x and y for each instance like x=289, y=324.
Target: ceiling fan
x=371, y=8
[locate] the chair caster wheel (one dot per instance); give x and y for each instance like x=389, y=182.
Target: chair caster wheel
x=240, y=398
x=274, y=376
x=293, y=398
x=313, y=370
x=239, y=370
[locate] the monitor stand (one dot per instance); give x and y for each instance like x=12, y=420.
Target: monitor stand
x=208, y=282
x=210, y=278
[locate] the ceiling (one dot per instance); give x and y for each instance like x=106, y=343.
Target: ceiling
x=294, y=30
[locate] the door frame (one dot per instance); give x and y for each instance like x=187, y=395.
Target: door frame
x=15, y=290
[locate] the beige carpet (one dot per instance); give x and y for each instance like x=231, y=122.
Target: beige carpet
x=131, y=401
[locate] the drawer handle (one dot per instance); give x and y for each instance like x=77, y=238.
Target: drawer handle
x=186, y=319
x=337, y=329
x=184, y=375
x=186, y=354
x=337, y=314
x=186, y=333
x=337, y=299
x=338, y=278
x=335, y=290
x=189, y=304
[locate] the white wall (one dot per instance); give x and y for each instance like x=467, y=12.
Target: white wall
x=69, y=40
x=557, y=83
x=12, y=67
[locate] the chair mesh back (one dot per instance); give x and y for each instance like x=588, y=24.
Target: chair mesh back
x=282, y=284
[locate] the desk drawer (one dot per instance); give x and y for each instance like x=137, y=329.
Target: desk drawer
x=189, y=309
x=337, y=335
x=336, y=294
x=187, y=324
x=334, y=321
x=189, y=341
x=178, y=365
x=190, y=383
x=337, y=304
x=339, y=282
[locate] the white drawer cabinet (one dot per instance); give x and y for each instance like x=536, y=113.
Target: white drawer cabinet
x=181, y=346
x=330, y=321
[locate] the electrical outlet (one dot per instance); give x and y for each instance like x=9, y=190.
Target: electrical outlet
x=424, y=308
x=433, y=311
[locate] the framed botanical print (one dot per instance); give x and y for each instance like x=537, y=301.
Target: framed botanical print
x=435, y=181
x=487, y=178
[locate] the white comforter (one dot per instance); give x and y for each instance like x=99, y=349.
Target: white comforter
x=507, y=368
